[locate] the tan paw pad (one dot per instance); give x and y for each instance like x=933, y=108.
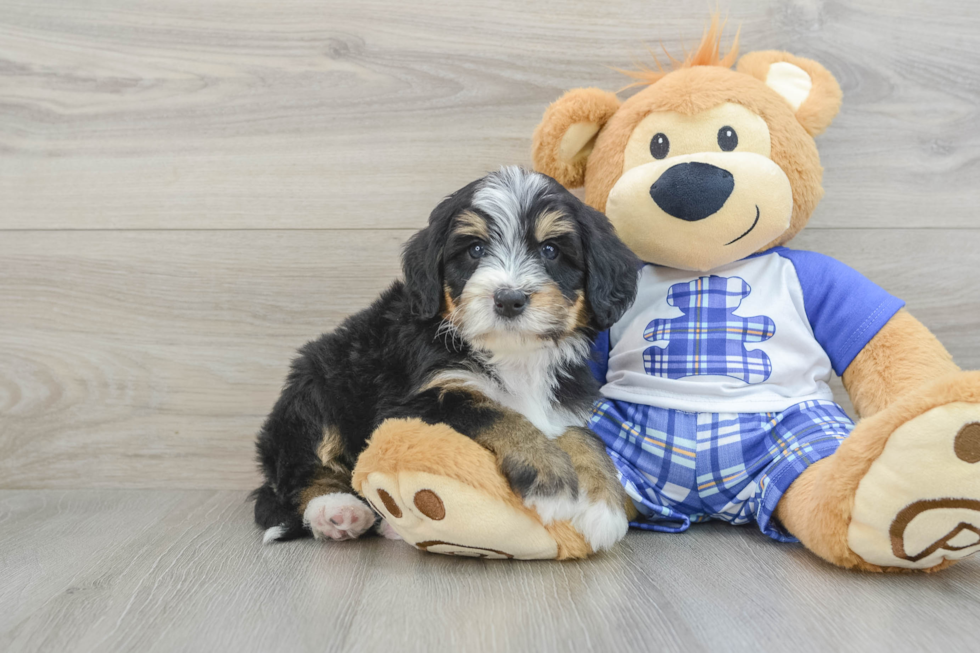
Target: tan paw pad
x=442, y=515
x=919, y=503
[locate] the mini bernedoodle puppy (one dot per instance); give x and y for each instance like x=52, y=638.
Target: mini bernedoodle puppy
x=489, y=333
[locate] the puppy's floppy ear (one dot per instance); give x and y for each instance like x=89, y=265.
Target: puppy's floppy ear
x=422, y=261
x=422, y=256
x=612, y=268
x=564, y=139
x=807, y=86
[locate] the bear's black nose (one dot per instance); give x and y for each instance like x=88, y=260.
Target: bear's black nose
x=508, y=302
x=692, y=191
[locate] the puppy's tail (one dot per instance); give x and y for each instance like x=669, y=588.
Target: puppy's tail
x=279, y=519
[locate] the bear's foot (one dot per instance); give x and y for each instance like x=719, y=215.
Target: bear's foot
x=919, y=503
x=442, y=493
x=441, y=515
x=903, y=491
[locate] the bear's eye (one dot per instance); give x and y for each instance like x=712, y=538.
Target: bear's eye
x=727, y=139
x=659, y=145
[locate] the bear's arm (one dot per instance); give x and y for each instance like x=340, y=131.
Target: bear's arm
x=902, y=356
x=877, y=347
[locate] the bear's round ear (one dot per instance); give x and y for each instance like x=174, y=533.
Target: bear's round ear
x=564, y=139
x=808, y=87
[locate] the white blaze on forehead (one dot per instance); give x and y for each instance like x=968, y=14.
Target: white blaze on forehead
x=509, y=193
x=507, y=197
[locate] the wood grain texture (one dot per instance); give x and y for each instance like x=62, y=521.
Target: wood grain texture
x=324, y=113
x=191, y=189
x=149, y=359
x=168, y=570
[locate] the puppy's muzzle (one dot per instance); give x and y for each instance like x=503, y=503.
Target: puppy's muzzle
x=692, y=191
x=509, y=303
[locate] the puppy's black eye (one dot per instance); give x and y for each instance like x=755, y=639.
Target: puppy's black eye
x=477, y=250
x=727, y=139
x=549, y=251
x=659, y=146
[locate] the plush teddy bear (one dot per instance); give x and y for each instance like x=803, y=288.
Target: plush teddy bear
x=716, y=399
x=715, y=382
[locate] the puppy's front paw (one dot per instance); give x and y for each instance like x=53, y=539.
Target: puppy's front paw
x=338, y=516
x=546, y=481
x=601, y=524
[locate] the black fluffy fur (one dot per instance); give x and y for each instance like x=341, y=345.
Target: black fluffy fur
x=372, y=366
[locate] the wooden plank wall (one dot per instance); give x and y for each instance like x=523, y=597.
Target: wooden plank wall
x=190, y=190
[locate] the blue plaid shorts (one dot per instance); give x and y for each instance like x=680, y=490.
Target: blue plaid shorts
x=681, y=467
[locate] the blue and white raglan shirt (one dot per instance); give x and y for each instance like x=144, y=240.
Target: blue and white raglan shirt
x=715, y=385
x=758, y=335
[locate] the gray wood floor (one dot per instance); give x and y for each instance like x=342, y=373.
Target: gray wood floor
x=165, y=570
x=191, y=190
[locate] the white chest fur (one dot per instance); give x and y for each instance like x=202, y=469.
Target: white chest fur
x=525, y=380
x=530, y=392
x=526, y=383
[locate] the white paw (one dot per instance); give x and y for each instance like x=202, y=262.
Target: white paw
x=602, y=525
x=385, y=530
x=338, y=517
x=560, y=507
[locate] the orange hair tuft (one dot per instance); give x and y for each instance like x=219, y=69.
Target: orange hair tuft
x=708, y=53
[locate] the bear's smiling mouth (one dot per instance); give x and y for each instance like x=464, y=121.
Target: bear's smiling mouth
x=747, y=231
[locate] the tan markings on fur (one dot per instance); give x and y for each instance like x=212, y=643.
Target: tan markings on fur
x=552, y=224
x=563, y=312
x=579, y=313
x=902, y=357
x=327, y=480
x=459, y=308
x=595, y=469
x=571, y=544
x=411, y=445
x=331, y=446
x=333, y=476
x=511, y=433
x=817, y=507
x=450, y=311
x=447, y=382
x=631, y=512
x=330, y=450
x=471, y=224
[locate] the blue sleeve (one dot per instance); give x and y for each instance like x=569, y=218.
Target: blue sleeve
x=844, y=308
x=599, y=360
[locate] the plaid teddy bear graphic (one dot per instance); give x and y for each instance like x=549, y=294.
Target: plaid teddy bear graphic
x=709, y=339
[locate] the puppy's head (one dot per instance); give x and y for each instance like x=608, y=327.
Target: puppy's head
x=514, y=260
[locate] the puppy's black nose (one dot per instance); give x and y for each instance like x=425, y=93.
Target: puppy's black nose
x=692, y=191
x=508, y=302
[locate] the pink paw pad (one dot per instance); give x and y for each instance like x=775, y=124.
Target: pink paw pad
x=338, y=517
